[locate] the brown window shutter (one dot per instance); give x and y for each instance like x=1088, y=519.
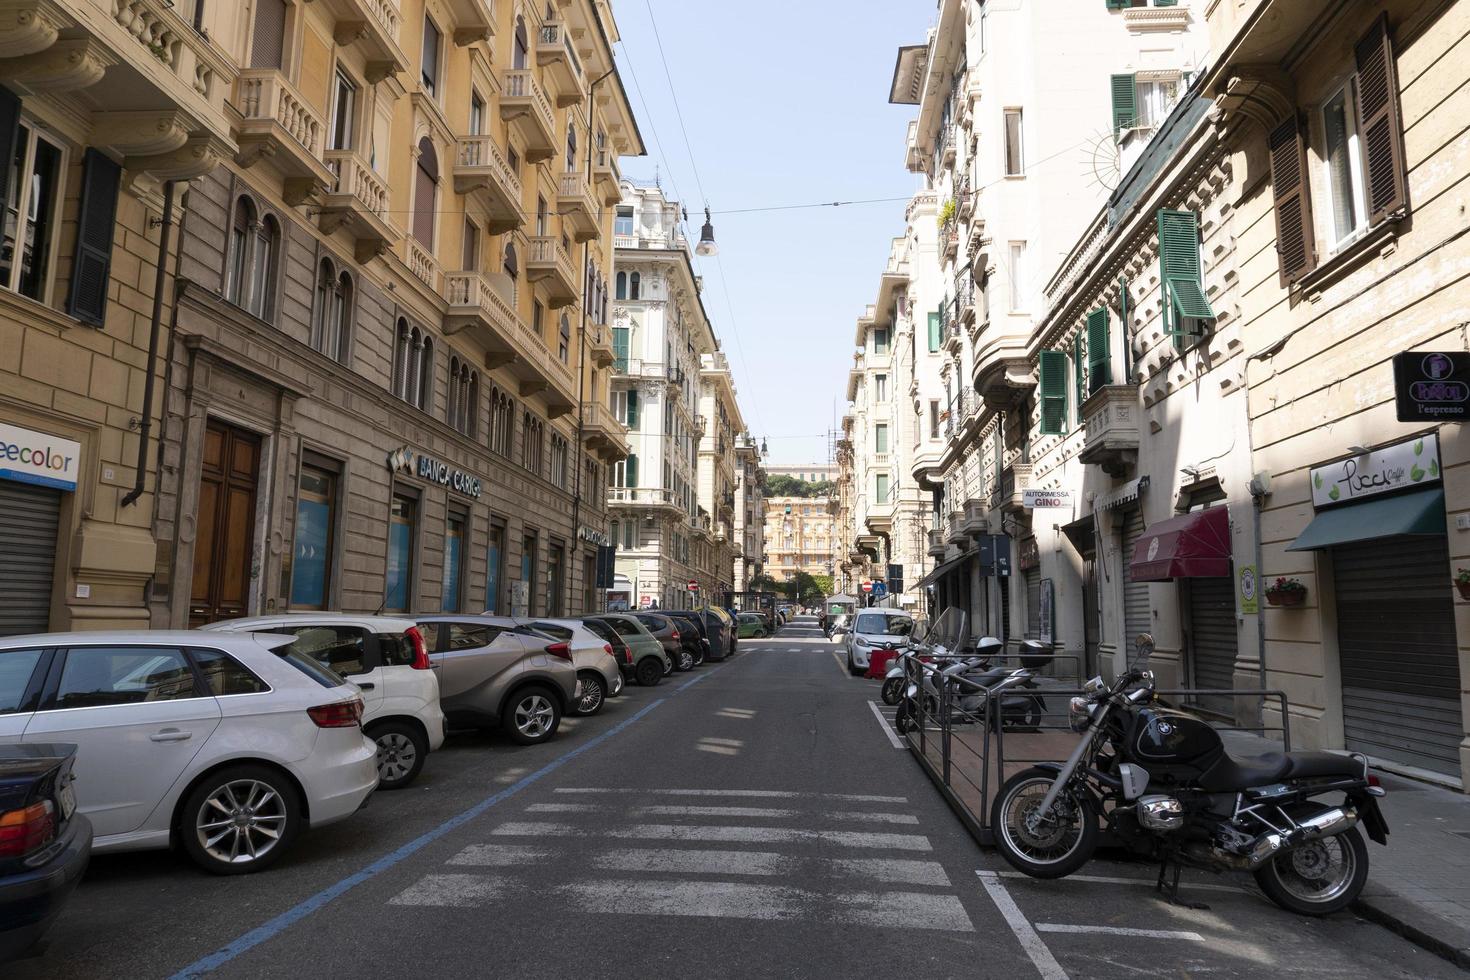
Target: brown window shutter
x=1380, y=125
x=9, y=134
x=1296, y=245
x=96, y=221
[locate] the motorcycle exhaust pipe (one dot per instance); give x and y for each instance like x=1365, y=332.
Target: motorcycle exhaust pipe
x=1328, y=823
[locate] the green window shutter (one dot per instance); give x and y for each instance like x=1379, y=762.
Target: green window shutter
x=1165, y=3
x=934, y=338
x=1125, y=102
x=632, y=419
x=630, y=471
x=1179, y=266
x=1099, y=364
x=620, y=348
x=1078, y=383
x=1119, y=4
x=1053, y=391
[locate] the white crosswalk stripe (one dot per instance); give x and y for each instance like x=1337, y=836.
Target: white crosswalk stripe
x=703, y=863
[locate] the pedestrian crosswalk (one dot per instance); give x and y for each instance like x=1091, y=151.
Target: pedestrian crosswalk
x=753, y=854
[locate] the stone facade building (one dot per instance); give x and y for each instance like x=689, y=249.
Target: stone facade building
x=386, y=388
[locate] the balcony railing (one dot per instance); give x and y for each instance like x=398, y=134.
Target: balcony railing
x=549, y=261
x=949, y=238
x=606, y=173
x=964, y=301
x=558, y=59
x=422, y=264
x=181, y=52
x=524, y=103
x=354, y=178
x=266, y=94
x=1110, y=417
x=964, y=199
x=640, y=495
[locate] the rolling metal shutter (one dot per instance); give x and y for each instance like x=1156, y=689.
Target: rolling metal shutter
x=1033, y=603
x=1212, y=639
x=1136, y=618
x=1397, y=651
x=29, y=517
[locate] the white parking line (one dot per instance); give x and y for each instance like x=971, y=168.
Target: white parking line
x=449, y=891
x=1045, y=963
x=725, y=835
x=499, y=855
x=695, y=862
x=1150, y=882
x=755, y=793
x=1193, y=937
x=887, y=728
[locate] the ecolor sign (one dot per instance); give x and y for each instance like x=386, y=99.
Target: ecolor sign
x=435, y=471
x=1432, y=386
x=34, y=457
x=1412, y=463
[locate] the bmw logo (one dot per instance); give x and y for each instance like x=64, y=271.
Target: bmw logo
x=1165, y=728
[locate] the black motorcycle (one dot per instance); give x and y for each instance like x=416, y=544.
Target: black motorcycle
x=1166, y=788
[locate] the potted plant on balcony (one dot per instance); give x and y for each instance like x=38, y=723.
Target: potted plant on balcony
x=947, y=212
x=1286, y=592
x=1462, y=582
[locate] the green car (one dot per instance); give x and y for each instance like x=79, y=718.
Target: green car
x=751, y=625
x=644, y=660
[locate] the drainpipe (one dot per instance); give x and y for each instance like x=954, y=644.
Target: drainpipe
x=147, y=418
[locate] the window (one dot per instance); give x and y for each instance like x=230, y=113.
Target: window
x=502, y=422
x=1099, y=356
x=555, y=578
x=521, y=47
x=269, y=34
x=630, y=408
x=933, y=418
x=16, y=668
x=95, y=677
x=425, y=193
x=620, y=286
x=510, y=267
x=559, y=458
x=1154, y=98
x=935, y=334
x=1018, y=276
x=341, y=649
x=32, y=197
x=1015, y=160
x=344, y=109
x=880, y=387
x=620, y=348
x=462, y=413
x=1343, y=164
x=315, y=537
x=477, y=114
x=635, y=283
x=470, y=256
x=250, y=273
x=532, y=446
x=880, y=443
x=528, y=571
x=413, y=366
x=571, y=146
x=1052, y=387
x=494, y=567
x=880, y=340
x=564, y=347
x=541, y=216
x=224, y=675
x=1185, y=305
x=429, y=73
x=333, y=315
x=623, y=222
x=456, y=534
x=880, y=488
x=402, y=522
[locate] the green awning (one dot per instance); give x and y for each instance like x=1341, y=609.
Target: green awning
x=1420, y=512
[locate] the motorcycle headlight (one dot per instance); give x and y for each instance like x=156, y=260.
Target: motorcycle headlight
x=1079, y=713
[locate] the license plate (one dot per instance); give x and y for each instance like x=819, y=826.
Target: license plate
x=68, y=798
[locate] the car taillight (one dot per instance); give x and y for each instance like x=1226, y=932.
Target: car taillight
x=627, y=654
x=676, y=636
x=560, y=650
x=338, y=714
x=1373, y=780
x=420, y=648
x=23, y=831
x=608, y=648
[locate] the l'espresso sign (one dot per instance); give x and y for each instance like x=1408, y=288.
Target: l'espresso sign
x=1432, y=386
x=1412, y=463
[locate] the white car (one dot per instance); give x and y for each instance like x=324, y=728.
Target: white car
x=228, y=746
x=876, y=628
x=387, y=659
x=597, y=668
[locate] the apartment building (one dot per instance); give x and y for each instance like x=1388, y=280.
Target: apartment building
x=672, y=501
x=106, y=112
x=387, y=384
x=800, y=535
x=750, y=512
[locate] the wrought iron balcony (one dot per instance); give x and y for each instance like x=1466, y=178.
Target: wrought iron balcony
x=558, y=59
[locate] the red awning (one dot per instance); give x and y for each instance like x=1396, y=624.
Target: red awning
x=1193, y=545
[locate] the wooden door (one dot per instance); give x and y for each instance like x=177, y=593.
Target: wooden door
x=224, y=545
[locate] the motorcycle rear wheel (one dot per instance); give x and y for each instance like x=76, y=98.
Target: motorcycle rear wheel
x=1319, y=877
x=1057, y=846
x=892, y=690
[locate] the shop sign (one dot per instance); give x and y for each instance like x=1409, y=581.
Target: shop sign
x=1039, y=499
x=592, y=534
x=426, y=467
x=1250, y=596
x=34, y=457
x=1432, y=386
x=1411, y=463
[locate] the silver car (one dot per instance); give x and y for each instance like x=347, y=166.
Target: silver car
x=493, y=673
x=597, y=668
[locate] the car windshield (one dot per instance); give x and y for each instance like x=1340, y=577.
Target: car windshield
x=884, y=624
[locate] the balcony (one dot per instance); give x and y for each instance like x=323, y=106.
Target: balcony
x=642, y=497
x=558, y=60
x=937, y=543
x=481, y=171
x=946, y=149
x=976, y=520
x=549, y=263
x=964, y=300
x=373, y=25
x=279, y=124
x=599, y=343
x=949, y=239
x=478, y=305
x=1110, y=420
x=636, y=367
x=608, y=437
x=357, y=200
x=421, y=263
x=474, y=20
x=964, y=198
x=1014, y=481
x=577, y=206
x=524, y=105
x=957, y=533
x=608, y=179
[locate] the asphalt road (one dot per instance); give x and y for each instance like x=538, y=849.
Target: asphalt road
x=749, y=819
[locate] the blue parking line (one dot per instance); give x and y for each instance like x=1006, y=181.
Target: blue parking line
x=316, y=902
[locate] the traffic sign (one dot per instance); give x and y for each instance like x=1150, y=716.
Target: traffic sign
x=867, y=586
x=693, y=586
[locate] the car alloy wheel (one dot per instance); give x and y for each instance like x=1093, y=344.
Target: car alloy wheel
x=241, y=821
x=593, y=695
x=396, y=757
x=535, y=716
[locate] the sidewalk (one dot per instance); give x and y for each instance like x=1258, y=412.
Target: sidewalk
x=1419, y=885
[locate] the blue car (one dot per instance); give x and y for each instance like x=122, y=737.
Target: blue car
x=44, y=843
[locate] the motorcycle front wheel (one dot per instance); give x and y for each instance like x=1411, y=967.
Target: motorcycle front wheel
x=1319, y=877
x=1050, y=845
x=892, y=690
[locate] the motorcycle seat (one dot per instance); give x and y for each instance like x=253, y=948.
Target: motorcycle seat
x=1307, y=765
x=1231, y=775
x=988, y=677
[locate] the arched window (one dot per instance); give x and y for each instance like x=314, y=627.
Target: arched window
x=511, y=269
x=463, y=408
x=635, y=282
x=345, y=312
x=263, y=267
x=425, y=193
x=520, y=53
x=451, y=407
x=425, y=390
x=237, y=275
x=250, y=272
x=472, y=405
x=566, y=338
x=328, y=315
x=502, y=422
x=621, y=285
x=402, y=358
x=571, y=146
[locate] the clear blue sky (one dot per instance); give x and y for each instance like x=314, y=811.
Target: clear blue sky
x=784, y=103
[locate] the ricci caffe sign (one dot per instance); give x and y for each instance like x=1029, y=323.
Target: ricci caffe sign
x=1404, y=465
x=34, y=457
x=426, y=467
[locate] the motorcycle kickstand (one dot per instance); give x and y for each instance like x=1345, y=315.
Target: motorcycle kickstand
x=1170, y=890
